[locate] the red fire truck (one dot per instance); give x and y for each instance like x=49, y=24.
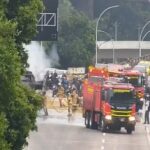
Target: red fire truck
x=137, y=79
x=108, y=105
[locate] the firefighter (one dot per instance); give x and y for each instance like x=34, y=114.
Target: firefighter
x=45, y=103
x=60, y=94
x=140, y=108
x=74, y=99
x=69, y=100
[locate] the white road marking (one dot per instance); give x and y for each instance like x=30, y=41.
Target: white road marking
x=104, y=134
x=103, y=140
x=148, y=133
x=102, y=147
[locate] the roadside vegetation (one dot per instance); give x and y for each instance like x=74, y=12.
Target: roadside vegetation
x=18, y=104
x=76, y=39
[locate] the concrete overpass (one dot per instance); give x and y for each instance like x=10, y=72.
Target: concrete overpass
x=121, y=50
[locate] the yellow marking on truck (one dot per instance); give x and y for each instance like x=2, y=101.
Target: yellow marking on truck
x=120, y=115
x=121, y=90
x=121, y=111
x=133, y=77
x=90, y=90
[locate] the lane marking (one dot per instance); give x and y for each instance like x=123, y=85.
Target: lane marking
x=104, y=134
x=103, y=140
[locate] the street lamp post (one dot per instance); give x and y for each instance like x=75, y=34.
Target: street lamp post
x=145, y=35
x=140, y=37
x=105, y=33
x=111, y=41
x=101, y=14
x=113, y=52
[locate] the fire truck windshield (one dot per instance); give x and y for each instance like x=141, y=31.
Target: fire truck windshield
x=136, y=81
x=121, y=96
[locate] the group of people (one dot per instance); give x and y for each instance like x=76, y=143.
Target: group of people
x=71, y=90
x=53, y=81
x=62, y=87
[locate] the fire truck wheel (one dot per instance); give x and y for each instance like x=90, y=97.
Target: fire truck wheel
x=93, y=124
x=129, y=131
x=87, y=119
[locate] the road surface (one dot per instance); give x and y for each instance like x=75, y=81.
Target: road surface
x=55, y=132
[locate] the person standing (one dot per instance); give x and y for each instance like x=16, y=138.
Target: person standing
x=140, y=107
x=45, y=103
x=147, y=111
x=60, y=94
x=69, y=100
x=74, y=99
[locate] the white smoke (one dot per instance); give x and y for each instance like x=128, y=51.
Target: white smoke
x=37, y=60
x=54, y=56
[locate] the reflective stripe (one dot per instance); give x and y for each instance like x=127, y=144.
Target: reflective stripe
x=115, y=115
x=120, y=111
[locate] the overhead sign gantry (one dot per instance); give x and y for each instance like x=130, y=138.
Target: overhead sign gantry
x=47, y=22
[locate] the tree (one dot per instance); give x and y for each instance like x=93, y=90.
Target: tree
x=3, y=127
x=76, y=37
x=24, y=13
x=76, y=41
x=18, y=104
x=130, y=16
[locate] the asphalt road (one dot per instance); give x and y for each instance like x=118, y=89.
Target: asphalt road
x=55, y=132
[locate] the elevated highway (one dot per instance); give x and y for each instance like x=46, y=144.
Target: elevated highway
x=122, y=50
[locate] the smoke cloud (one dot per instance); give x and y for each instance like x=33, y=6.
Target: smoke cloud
x=54, y=56
x=38, y=60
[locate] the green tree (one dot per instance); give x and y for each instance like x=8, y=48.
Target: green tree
x=24, y=13
x=130, y=16
x=18, y=104
x=76, y=37
x=3, y=127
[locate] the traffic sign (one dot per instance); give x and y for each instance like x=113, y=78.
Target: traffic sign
x=47, y=22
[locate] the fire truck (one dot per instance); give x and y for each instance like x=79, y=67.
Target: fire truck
x=108, y=105
x=115, y=70
x=137, y=79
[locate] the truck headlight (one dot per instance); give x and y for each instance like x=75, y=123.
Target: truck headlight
x=108, y=117
x=131, y=118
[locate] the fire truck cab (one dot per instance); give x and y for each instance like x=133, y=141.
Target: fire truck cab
x=137, y=79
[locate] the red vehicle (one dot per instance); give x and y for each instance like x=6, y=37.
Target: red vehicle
x=108, y=105
x=115, y=70
x=137, y=79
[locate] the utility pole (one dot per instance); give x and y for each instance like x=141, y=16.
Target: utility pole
x=116, y=30
x=97, y=23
